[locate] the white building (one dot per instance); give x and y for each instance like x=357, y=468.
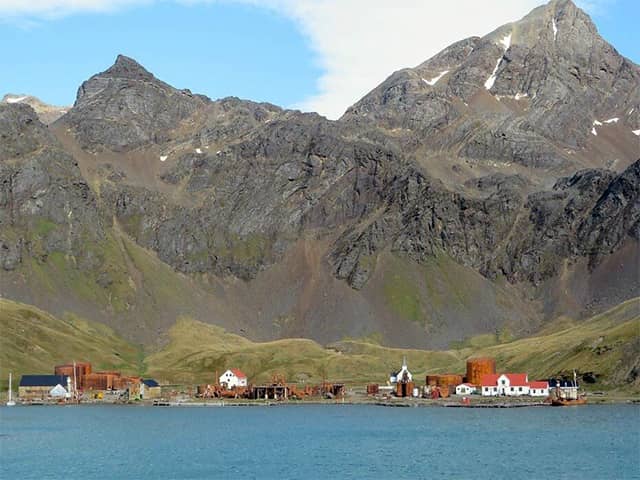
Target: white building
x=233, y=378
x=403, y=375
x=539, y=389
x=508, y=384
x=465, y=389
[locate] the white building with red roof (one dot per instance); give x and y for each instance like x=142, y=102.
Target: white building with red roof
x=465, y=389
x=539, y=389
x=233, y=378
x=509, y=384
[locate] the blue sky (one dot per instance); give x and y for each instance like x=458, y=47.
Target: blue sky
x=296, y=53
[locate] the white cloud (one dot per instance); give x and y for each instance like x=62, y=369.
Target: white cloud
x=361, y=42
x=60, y=8
x=357, y=43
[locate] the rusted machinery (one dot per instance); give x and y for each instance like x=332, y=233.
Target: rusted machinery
x=373, y=389
x=477, y=367
x=219, y=391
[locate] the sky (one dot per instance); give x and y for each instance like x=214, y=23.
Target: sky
x=315, y=55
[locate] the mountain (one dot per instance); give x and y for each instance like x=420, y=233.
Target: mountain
x=541, y=97
x=46, y=113
x=466, y=196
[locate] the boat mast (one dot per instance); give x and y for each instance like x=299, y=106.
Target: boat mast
x=75, y=385
x=10, y=387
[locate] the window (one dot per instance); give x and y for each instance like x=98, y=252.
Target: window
x=512, y=389
x=504, y=381
x=520, y=389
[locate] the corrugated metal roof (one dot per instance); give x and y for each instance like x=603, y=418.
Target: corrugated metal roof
x=149, y=382
x=43, y=380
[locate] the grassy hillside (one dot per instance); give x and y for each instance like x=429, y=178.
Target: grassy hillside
x=33, y=341
x=606, y=345
x=196, y=351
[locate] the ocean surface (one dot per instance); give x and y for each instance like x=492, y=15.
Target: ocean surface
x=309, y=442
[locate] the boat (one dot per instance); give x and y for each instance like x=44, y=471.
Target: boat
x=10, y=402
x=568, y=396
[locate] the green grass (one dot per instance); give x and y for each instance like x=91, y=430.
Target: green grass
x=34, y=341
x=403, y=296
x=43, y=226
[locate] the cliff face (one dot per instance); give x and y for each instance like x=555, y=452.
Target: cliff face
x=448, y=202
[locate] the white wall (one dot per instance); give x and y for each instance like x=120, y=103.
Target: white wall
x=230, y=379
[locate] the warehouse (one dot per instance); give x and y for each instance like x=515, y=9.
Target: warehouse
x=37, y=388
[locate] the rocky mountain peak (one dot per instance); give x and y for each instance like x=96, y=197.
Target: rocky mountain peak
x=548, y=79
x=46, y=113
x=126, y=107
x=126, y=67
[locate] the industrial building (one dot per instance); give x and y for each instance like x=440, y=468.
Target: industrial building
x=40, y=388
x=150, y=389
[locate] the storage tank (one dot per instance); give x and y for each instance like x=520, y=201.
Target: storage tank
x=82, y=369
x=449, y=379
x=432, y=380
x=477, y=367
x=95, y=381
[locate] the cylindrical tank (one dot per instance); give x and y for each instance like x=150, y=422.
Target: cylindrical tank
x=373, y=389
x=95, y=381
x=82, y=369
x=64, y=370
x=477, y=367
x=432, y=380
x=416, y=392
x=449, y=379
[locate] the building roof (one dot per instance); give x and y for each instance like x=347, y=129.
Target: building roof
x=466, y=385
x=43, y=380
x=149, y=382
x=539, y=384
x=515, y=379
x=238, y=373
x=490, y=379
x=554, y=382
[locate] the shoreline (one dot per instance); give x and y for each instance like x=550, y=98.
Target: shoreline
x=484, y=403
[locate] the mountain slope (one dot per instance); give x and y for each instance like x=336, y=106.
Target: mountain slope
x=438, y=208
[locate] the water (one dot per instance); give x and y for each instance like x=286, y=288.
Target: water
x=308, y=442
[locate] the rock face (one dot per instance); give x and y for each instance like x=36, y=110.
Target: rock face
x=46, y=113
x=444, y=204
x=45, y=204
x=535, y=93
x=125, y=107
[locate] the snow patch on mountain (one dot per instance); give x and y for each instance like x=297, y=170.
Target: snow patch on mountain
x=15, y=99
x=506, y=43
x=434, y=80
